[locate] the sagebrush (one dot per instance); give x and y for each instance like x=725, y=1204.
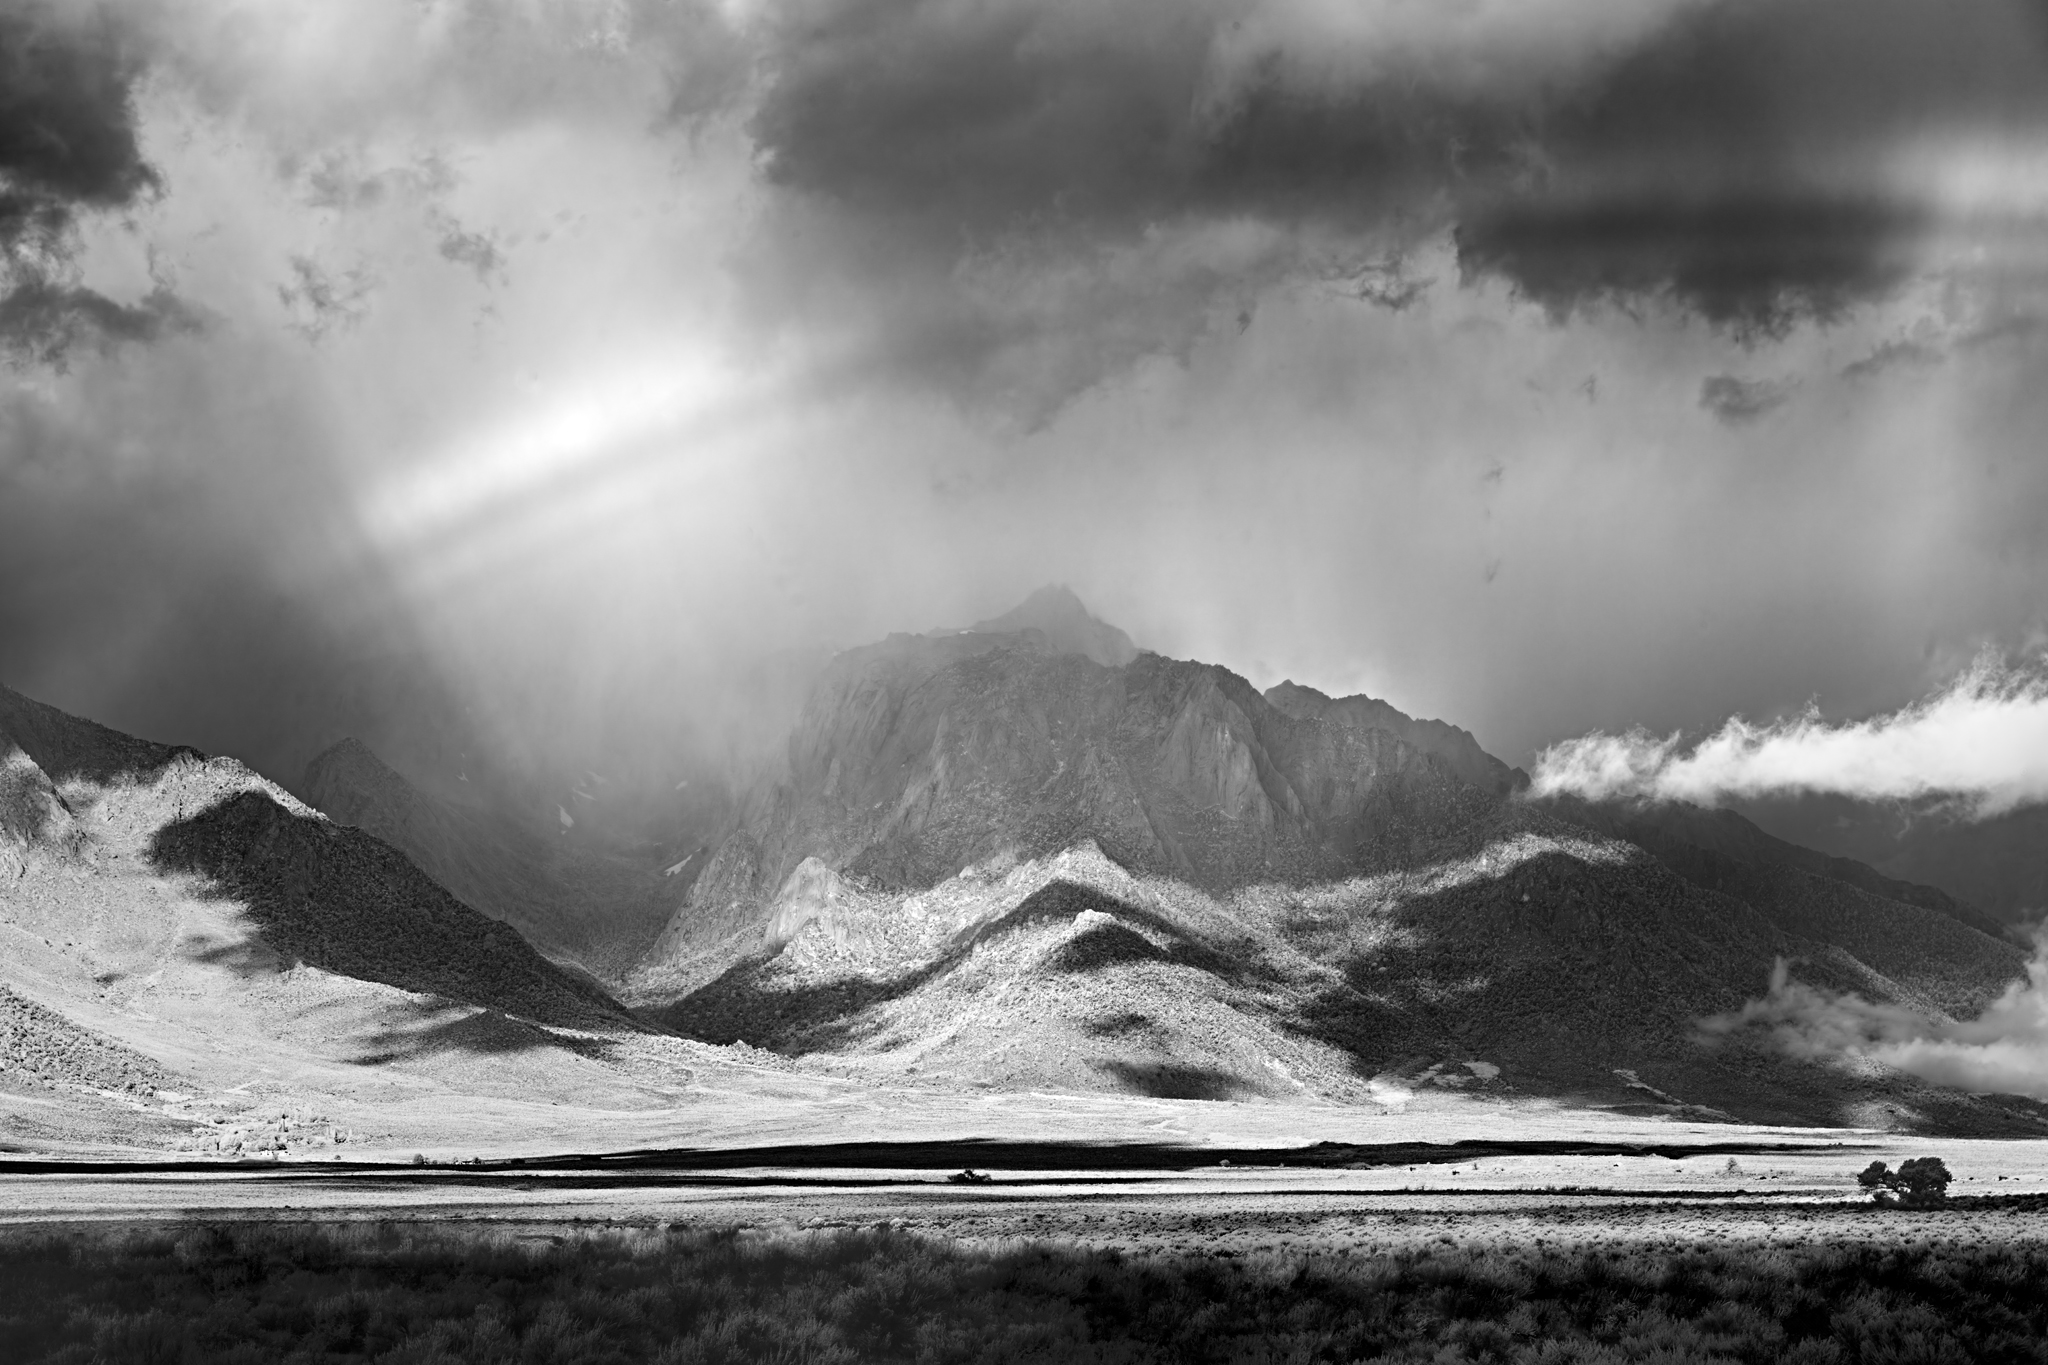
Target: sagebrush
x=421, y=1295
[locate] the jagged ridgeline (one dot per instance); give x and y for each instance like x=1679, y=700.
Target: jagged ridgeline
x=123, y=847
x=1021, y=855
x=1029, y=854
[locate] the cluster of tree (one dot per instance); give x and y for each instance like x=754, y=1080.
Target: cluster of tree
x=1918, y=1183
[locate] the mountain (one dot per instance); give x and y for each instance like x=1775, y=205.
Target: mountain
x=95, y=819
x=184, y=943
x=995, y=858
x=921, y=755
x=1455, y=748
x=588, y=902
x=1020, y=856
x=192, y=959
x=1999, y=865
x=1724, y=850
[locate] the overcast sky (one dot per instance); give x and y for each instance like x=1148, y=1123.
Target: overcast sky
x=1541, y=365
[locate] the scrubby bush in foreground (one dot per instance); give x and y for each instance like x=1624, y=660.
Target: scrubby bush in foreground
x=418, y=1295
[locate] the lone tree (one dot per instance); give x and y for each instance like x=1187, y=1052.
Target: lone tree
x=1919, y=1183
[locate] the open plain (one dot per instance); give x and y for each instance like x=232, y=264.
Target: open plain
x=1677, y=1246
x=1179, y=1174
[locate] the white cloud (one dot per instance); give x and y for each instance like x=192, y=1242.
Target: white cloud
x=1981, y=744
x=2002, y=1051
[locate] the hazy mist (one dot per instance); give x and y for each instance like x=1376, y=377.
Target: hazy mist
x=559, y=366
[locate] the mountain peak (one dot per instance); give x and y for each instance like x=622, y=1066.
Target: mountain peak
x=1067, y=624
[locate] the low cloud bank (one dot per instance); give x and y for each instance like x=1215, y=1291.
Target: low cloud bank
x=2002, y=1051
x=1980, y=745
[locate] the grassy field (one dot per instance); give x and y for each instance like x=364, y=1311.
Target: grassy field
x=421, y=1293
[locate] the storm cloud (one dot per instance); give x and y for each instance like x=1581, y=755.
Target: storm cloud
x=1754, y=165
x=1741, y=400
x=68, y=148
x=556, y=360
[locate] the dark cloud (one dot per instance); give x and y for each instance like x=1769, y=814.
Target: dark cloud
x=475, y=250
x=1743, y=164
x=1388, y=284
x=67, y=147
x=1890, y=355
x=969, y=121
x=1035, y=195
x=42, y=320
x=1754, y=264
x=1742, y=400
x=1737, y=160
x=321, y=300
x=67, y=134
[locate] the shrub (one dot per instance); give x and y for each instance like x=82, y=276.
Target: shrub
x=421, y=1294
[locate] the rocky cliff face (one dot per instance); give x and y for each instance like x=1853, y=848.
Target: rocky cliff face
x=1456, y=749
x=922, y=755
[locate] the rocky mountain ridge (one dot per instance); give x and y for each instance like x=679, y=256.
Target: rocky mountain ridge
x=918, y=756
x=90, y=817
x=1010, y=861
x=990, y=859
x=1454, y=747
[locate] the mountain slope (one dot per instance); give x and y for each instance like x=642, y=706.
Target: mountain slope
x=920, y=755
x=1998, y=865
x=1009, y=863
x=1945, y=953
x=191, y=960
x=1531, y=958
x=112, y=818
x=1455, y=748
x=592, y=906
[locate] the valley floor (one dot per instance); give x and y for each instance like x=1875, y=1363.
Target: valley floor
x=1751, y=1188
x=772, y=1214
